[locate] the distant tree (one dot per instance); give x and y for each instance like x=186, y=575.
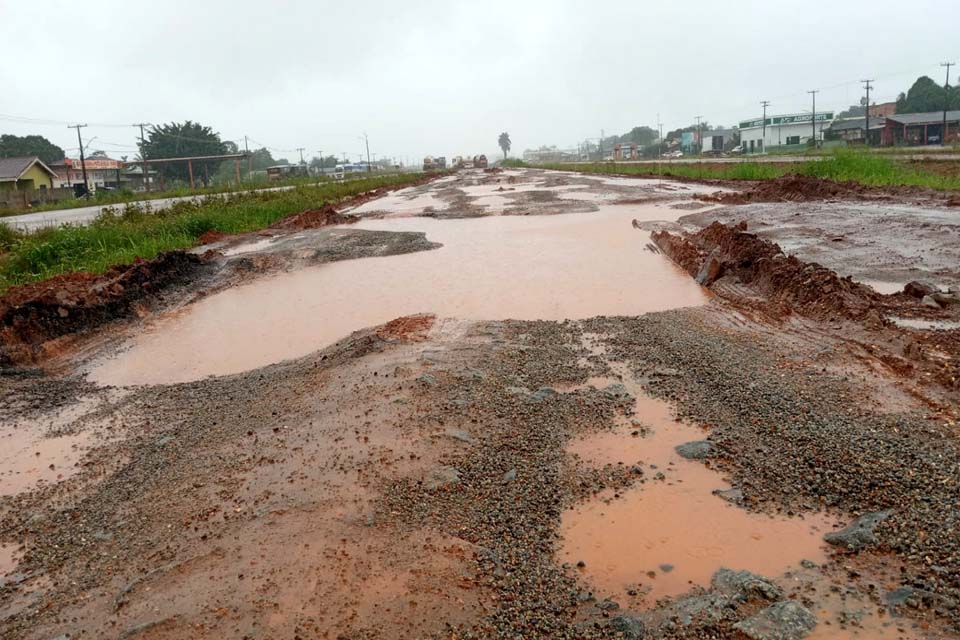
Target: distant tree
x=12, y=146
x=926, y=95
x=329, y=162
x=186, y=139
x=638, y=135
x=855, y=111
x=504, y=142
x=99, y=153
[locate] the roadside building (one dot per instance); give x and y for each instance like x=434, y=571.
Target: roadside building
x=25, y=173
x=853, y=131
x=921, y=128
x=788, y=130
x=133, y=177
x=718, y=140
x=101, y=173
x=626, y=151
x=548, y=154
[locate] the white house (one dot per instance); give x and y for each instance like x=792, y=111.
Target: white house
x=789, y=129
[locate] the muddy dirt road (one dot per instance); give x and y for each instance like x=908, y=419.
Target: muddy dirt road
x=493, y=407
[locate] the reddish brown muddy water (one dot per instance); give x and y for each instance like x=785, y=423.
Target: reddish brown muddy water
x=569, y=266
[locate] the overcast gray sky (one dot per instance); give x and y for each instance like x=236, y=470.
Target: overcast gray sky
x=445, y=78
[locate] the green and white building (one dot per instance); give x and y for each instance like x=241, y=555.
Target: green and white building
x=792, y=129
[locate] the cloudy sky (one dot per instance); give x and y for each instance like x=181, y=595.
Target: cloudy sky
x=445, y=78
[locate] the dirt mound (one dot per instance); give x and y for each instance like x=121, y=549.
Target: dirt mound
x=792, y=284
x=314, y=219
x=34, y=313
x=792, y=188
x=209, y=237
x=493, y=170
x=408, y=328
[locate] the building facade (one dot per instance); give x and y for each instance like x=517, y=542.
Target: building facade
x=792, y=129
x=25, y=174
x=921, y=128
x=101, y=172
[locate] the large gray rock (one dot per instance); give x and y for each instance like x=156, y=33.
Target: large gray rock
x=628, y=628
x=442, y=478
x=945, y=299
x=859, y=533
x=781, y=621
x=710, y=270
x=930, y=301
x=917, y=289
x=741, y=586
x=696, y=450
x=542, y=393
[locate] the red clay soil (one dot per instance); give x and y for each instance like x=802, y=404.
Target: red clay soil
x=34, y=313
x=314, y=219
x=795, y=188
x=723, y=255
x=209, y=237
x=408, y=328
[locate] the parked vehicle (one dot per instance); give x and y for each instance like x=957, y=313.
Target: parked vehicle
x=737, y=150
x=673, y=154
x=480, y=162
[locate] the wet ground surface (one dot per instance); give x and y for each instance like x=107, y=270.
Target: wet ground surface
x=463, y=475
x=883, y=245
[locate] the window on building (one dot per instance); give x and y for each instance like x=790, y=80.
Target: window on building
x=760, y=145
x=793, y=139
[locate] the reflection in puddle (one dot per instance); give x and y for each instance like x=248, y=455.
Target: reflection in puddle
x=248, y=247
x=28, y=456
x=8, y=559
x=925, y=325
x=557, y=267
x=883, y=287
x=669, y=534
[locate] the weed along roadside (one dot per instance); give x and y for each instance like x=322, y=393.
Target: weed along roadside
x=131, y=232
x=503, y=403
x=864, y=168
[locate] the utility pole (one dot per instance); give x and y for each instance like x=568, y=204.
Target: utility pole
x=320, y=151
x=143, y=153
x=366, y=141
x=659, y=154
x=600, y=146
x=946, y=102
x=246, y=149
x=83, y=164
x=300, y=149
x=765, y=103
x=699, y=135
x=866, y=114
x=813, y=117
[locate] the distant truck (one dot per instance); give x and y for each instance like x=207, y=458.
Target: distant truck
x=280, y=172
x=480, y=162
x=434, y=164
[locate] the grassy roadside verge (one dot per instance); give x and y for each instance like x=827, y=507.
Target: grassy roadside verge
x=124, y=197
x=123, y=234
x=842, y=165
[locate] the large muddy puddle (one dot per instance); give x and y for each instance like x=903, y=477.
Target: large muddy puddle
x=569, y=266
x=671, y=532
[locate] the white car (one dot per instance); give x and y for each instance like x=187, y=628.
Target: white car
x=673, y=154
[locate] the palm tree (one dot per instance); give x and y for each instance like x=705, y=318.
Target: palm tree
x=504, y=143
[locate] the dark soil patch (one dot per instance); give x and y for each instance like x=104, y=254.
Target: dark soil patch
x=793, y=188
x=314, y=219
x=34, y=313
x=209, y=237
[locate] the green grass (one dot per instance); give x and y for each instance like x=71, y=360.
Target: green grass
x=104, y=197
x=122, y=234
x=839, y=165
